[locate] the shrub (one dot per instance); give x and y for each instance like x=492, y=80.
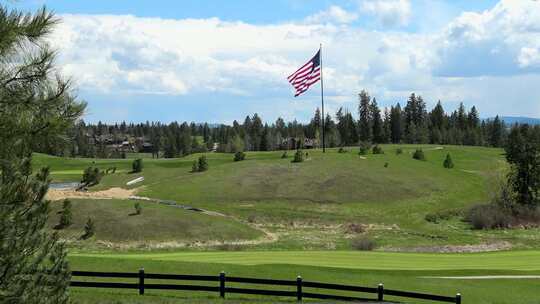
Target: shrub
x=239, y=156
x=137, y=165
x=386, y=165
x=203, y=163
x=138, y=208
x=363, y=243
x=377, y=150
x=298, y=157
x=364, y=147
x=399, y=151
x=91, y=176
x=66, y=217
x=489, y=216
x=284, y=155
x=448, y=163
x=89, y=229
x=342, y=150
x=419, y=155
x=355, y=228
x=252, y=218
x=195, y=166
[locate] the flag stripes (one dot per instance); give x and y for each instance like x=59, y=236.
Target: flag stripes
x=306, y=76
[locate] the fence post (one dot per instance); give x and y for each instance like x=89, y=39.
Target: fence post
x=458, y=298
x=299, y=288
x=141, y=281
x=222, y=284
x=380, y=292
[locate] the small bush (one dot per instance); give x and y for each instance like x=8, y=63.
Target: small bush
x=364, y=148
x=298, y=157
x=489, y=216
x=203, y=163
x=436, y=217
x=284, y=155
x=239, y=156
x=386, y=165
x=91, y=176
x=252, y=218
x=363, y=243
x=138, y=208
x=448, y=163
x=195, y=166
x=419, y=155
x=342, y=150
x=377, y=150
x=66, y=217
x=89, y=229
x=137, y=165
x=399, y=151
x=355, y=228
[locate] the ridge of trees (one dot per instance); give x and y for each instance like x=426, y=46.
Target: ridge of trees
x=412, y=124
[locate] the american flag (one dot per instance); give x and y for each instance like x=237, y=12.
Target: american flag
x=307, y=75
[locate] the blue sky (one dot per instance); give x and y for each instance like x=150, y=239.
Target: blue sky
x=221, y=60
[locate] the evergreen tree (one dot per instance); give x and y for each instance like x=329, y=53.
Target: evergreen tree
x=203, y=164
x=396, y=124
x=448, y=163
x=377, y=123
x=35, y=106
x=365, y=116
x=66, y=217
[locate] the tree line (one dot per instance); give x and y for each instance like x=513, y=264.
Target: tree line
x=411, y=123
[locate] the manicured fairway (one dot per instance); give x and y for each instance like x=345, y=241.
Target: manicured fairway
x=511, y=260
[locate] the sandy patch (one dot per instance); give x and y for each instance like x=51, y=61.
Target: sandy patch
x=112, y=193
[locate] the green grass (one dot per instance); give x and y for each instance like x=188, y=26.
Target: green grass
x=309, y=204
x=116, y=223
x=357, y=269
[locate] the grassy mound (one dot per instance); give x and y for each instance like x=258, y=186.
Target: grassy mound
x=116, y=222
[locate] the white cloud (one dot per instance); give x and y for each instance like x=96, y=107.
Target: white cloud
x=470, y=60
x=389, y=12
x=333, y=14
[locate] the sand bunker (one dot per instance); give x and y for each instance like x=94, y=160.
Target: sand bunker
x=112, y=193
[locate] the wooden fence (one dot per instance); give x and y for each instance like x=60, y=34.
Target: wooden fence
x=221, y=289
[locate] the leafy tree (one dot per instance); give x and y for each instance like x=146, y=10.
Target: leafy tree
x=298, y=157
x=137, y=165
x=448, y=163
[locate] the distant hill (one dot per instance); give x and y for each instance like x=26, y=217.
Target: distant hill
x=509, y=120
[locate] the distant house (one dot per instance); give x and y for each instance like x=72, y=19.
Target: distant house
x=293, y=143
x=147, y=148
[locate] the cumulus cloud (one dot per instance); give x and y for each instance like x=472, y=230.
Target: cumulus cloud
x=389, y=13
x=333, y=14
x=469, y=60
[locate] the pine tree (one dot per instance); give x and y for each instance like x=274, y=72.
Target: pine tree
x=365, y=118
x=448, y=163
x=396, y=124
x=377, y=123
x=35, y=106
x=66, y=217
x=203, y=163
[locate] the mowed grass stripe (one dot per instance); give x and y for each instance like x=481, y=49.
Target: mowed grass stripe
x=511, y=260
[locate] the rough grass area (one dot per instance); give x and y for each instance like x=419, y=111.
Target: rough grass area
x=412, y=273
x=116, y=223
x=308, y=205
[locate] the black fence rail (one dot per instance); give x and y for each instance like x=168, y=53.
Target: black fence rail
x=222, y=289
